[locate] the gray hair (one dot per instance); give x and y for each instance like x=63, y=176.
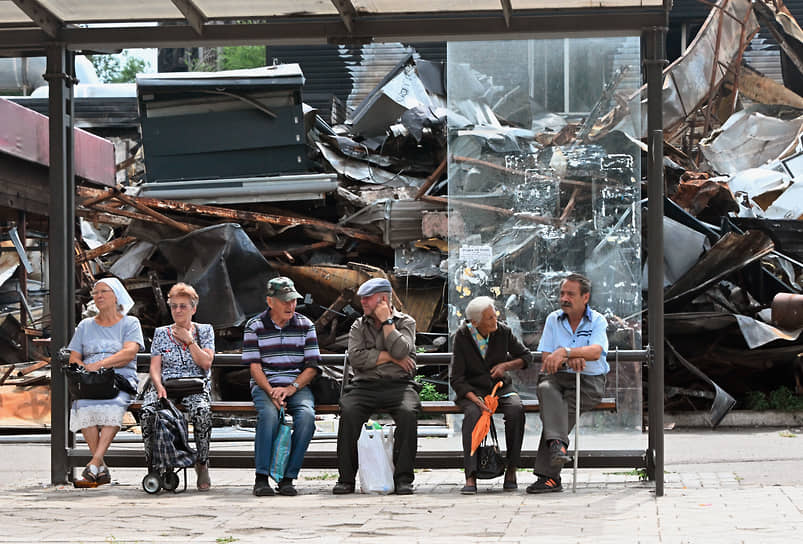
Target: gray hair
x=585, y=283
x=477, y=306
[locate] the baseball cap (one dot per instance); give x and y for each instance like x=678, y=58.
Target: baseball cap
x=283, y=289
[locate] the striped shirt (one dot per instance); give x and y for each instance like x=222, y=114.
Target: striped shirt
x=284, y=353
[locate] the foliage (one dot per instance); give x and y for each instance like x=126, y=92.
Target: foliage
x=428, y=390
x=322, y=476
x=246, y=56
x=110, y=70
x=782, y=399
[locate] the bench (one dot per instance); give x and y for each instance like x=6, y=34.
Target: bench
x=315, y=459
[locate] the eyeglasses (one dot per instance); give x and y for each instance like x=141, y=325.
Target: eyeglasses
x=181, y=306
x=97, y=292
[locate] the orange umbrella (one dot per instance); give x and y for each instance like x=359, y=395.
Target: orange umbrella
x=484, y=422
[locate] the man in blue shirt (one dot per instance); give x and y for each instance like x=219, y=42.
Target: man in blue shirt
x=574, y=340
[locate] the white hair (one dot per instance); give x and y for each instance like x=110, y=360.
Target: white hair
x=477, y=306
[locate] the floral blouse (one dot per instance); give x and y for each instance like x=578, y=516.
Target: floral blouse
x=176, y=357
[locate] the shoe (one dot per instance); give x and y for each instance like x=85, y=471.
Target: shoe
x=343, y=488
x=262, y=487
x=510, y=486
x=404, y=489
x=103, y=477
x=558, y=456
x=545, y=485
x=287, y=488
x=202, y=481
x=88, y=475
x=468, y=490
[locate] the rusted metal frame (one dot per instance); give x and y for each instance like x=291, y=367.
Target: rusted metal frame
x=125, y=213
x=569, y=207
x=296, y=250
x=345, y=297
x=243, y=215
x=103, y=197
x=431, y=179
x=714, y=68
x=738, y=62
x=117, y=243
x=7, y=373
x=80, y=258
x=492, y=209
x=34, y=367
x=347, y=13
x=22, y=277
x=194, y=16
x=135, y=203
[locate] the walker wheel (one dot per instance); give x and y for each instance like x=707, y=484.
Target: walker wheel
x=170, y=481
x=152, y=483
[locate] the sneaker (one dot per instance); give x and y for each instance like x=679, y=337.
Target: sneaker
x=262, y=487
x=558, y=456
x=287, y=488
x=545, y=485
x=343, y=488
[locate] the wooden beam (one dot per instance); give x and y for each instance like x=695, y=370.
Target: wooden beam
x=117, y=243
x=134, y=203
x=347, y=13
x=42, y=16
x=195, y=17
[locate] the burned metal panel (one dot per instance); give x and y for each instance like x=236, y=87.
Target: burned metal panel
x=399, y=220
x=786, y=234
x=226, y=269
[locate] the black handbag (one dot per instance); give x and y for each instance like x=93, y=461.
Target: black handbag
x=326, y=390
x=181, y=387
x=490, y=463
x=83, y=384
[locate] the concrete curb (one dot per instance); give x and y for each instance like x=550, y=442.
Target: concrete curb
x=737, y=418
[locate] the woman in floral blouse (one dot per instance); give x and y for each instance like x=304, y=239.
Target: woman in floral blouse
x=181, y=350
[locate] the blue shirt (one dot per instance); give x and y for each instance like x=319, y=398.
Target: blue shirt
x=591, y=330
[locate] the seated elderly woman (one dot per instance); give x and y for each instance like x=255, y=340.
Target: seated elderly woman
x=184, y=349
x=111, y=339
x=484, y=351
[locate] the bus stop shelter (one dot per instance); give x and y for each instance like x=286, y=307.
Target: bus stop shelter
x=58, y=29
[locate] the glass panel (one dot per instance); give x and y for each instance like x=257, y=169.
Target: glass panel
x=536, y=192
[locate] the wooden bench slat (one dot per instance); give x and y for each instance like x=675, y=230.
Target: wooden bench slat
x=427, y=406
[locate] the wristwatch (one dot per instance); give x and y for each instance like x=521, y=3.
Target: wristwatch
x=295, y=384
x=568, y=352
x=388, y=321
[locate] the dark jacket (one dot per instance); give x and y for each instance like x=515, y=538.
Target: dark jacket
x=472, y=372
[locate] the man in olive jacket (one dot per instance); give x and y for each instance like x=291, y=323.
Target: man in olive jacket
x=382, y=356
x=483, y=352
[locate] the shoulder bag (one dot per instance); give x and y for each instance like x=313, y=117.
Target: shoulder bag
x=83, y=384
x=490, y=463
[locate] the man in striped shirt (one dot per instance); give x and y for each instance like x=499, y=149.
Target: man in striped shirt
x=281, y=348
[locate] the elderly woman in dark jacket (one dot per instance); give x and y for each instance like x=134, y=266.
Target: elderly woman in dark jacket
x=484, y=351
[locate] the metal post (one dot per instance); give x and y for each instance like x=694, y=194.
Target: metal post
x=654, y=51
x=61, y=233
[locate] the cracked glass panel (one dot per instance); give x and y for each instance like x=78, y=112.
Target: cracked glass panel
x=543, y=187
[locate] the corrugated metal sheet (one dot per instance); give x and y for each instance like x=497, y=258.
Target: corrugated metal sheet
x=348, y=73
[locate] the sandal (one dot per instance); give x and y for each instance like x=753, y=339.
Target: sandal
x=203, y=482
x=104, y=476
x=88, y=475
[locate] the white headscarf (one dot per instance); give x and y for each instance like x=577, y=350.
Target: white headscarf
x=124, y=300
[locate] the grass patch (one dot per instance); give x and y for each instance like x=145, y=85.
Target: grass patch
x=226, y=540
x=787, y=434
x=640, y=472
x=324, y=476
x=782, y=399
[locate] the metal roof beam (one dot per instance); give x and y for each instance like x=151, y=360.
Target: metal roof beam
x=300, y=30
x=43, y=17
x=506, y=11
x=347, y=13
x=192, y=13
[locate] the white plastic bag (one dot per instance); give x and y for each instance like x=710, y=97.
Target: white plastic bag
x=375, y=458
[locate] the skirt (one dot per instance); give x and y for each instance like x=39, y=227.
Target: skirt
x=99, y=412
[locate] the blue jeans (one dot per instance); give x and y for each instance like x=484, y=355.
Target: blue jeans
x=301, y=406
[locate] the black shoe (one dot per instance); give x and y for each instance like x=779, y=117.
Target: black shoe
x=404, y=489
x=343, y=488
x=262, y=487
x=558, y=456
x=545, y=485
x=287, y=488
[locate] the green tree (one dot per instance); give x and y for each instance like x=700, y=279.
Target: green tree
x=110, y=70
x=247, y=56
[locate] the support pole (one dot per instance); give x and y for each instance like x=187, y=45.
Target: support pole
x=61, y=233
x=653, y=43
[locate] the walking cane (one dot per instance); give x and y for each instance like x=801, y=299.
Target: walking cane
x=576, y=429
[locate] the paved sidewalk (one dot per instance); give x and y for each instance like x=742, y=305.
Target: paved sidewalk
x=702, y=504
